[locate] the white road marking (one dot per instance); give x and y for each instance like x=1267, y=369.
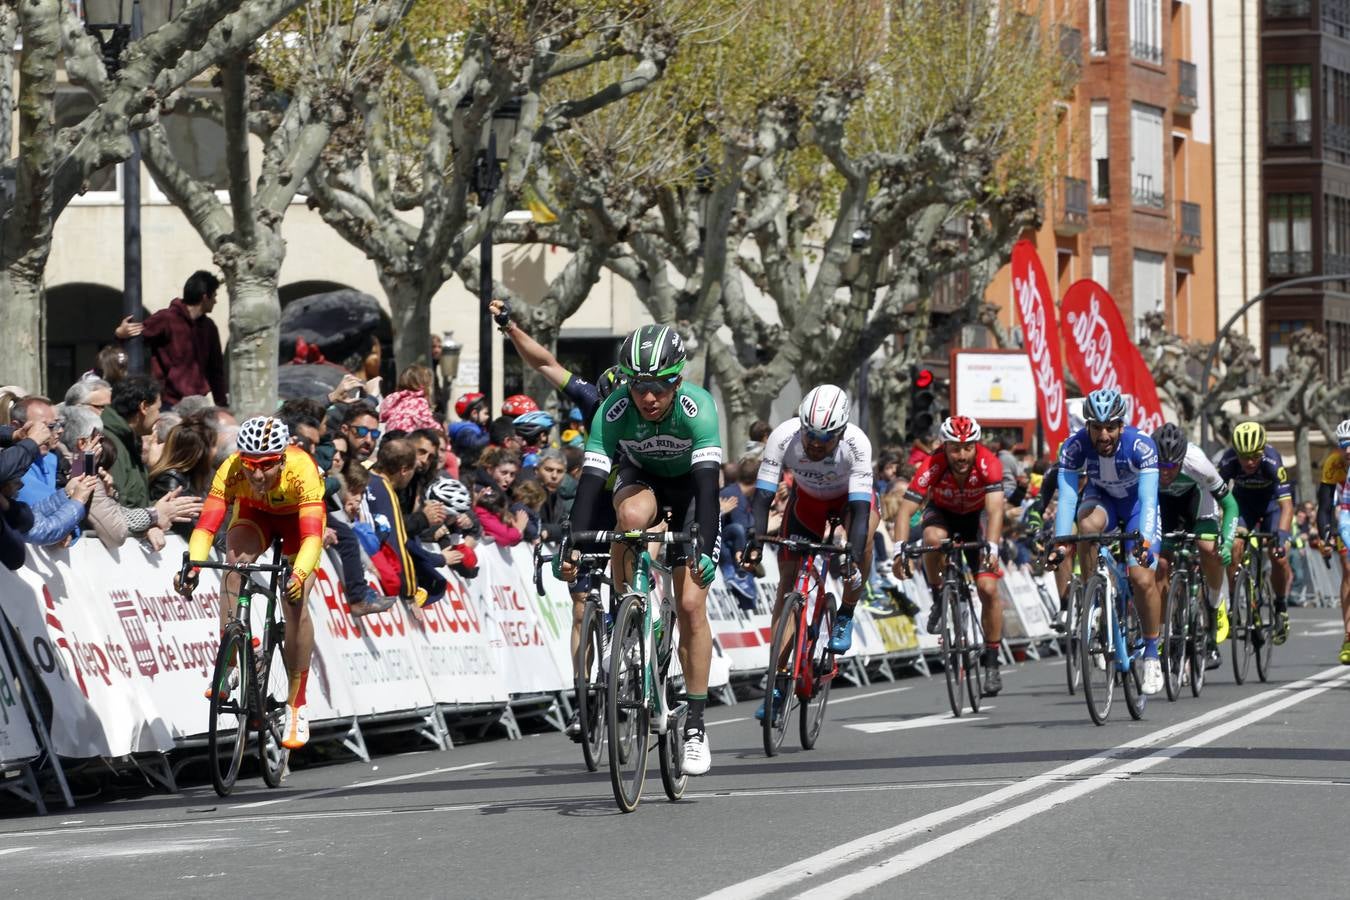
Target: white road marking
x=920, y=722
x=852, y=697
x=769, y=882
x=880, y=873
x=729, y=721
x=8, y=850
x=357, y=785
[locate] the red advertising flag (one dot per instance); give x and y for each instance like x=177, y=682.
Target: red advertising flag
x=1101, y=354
x=1040, y=331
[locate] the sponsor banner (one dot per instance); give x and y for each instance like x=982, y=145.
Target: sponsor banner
x=451, y=642
x=17, y=741
x=515, y=629
x=1102, y=355
x=994, y=387
x=1040, y=331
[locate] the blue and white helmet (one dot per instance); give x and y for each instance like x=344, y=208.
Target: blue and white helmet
x=1105, y=405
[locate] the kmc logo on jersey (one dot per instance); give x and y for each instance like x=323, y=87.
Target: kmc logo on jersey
x=660, y=445
x=617, y=410
x=689, y=406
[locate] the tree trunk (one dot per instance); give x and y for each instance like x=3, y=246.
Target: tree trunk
x=21, y=315
x=411, y=316
x=1307, y=477
x=255, y=312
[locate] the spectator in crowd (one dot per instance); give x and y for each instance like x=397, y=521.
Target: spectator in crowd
x=8, y=397
x=737, y=522
x=133, y=413
x=221, y=421
x=408, y=409
x=174, y=508
x=365, y=365
x=445, y=462
x=57, y=514
x=420, y=513
x=394, y=469
x=499, y=467
x=152, y=445
x=440, y=385
x=575, y=458
x=758, y=435
x=502, y=433
x=1298, y=562
x=888, y=462
x=419, y=378
x=533, y=429
x=183, y=343
x=361, y=428
x=491, y=506
x=561, y=490
x=458, y=534
x=921, y=449
x=22, y=446
x=469, y=436
x=1014, y=476
x=110, y=364
x=574, y=429
x=90, y=391
x=184, y=468
x=530, y=497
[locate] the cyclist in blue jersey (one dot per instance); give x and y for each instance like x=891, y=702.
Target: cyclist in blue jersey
x=1115, y=469
x=1265, y=500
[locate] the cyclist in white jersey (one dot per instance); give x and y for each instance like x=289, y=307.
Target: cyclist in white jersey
x=830, y=462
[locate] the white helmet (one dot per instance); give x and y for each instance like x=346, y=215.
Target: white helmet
x=451, y=492
x=263, y=436
x=825, y=408
x=1343, y=432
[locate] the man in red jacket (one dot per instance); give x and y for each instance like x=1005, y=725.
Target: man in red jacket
x=183, y=343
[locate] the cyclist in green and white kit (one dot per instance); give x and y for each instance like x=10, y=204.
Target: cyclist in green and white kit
x=1192, y=497
x=664, y=436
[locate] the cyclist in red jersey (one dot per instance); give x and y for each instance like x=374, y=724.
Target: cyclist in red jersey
x=961, y=484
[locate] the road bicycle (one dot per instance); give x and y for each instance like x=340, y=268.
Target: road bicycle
x=1251, y=619
x=1183, y=646
x=588, y=660
x=249, y=686
x=801, y=664
x=1068, y=628
x=1110, y=634
x=639, y=703
x=962, y=637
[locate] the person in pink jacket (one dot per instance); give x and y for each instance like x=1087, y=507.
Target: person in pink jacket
x=491, y=507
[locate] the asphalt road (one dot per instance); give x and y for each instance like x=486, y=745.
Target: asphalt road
x=1242, y=793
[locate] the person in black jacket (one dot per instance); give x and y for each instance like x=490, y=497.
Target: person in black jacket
x=21, y=450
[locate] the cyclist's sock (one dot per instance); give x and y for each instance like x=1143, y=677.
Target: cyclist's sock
x=1150, y=648
x=991, y=652
x=298, y=682
x=1282, y=604
x=694, y=718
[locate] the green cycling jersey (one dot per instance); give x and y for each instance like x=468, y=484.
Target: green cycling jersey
x=688, y=436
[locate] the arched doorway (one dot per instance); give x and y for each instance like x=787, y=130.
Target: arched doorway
x=80, y=318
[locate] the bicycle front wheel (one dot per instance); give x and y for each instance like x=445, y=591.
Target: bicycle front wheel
x=1172, y=641
x=1197, y=643
x=1263, y=619
x=228, y=728
x=1073, y=669
x=273, y=688
x=821, y=663
x=780, y=683
x=589, y=681
x=954, y=647
x=626, y=704
x=1095, y=650
x=1240, y=628
x=974, y=654
x=1132, y=630
x=670, y=753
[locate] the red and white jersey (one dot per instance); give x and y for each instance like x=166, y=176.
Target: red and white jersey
x=845, y=472
x=937, y=484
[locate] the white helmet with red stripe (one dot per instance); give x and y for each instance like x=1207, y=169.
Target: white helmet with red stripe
x=824, y=409
x=960, y=429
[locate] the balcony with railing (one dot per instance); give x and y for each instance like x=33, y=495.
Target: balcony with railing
x=1336, y=17
x=1288, y=133
x=1188, y=229
x=1287, y=9
x=1188, y=93
x=1284, y=262
x=1146, y=192
x=1071, y=217
x=1146, y=51
x=1071, y=47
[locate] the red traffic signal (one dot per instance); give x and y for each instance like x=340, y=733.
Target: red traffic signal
x=923, y=378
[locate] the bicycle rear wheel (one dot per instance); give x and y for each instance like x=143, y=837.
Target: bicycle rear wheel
x=1240, y=628
x=953, y=645
x=589, y=682
x=1094, y=644
x=1132, y=678
x=974, y=654
x=273, y=690
x=228, y=727
x=781, y=679
x=821, y=661
x=1172, y=641
x=1197, y=642
x=626, y=705
x=1073, y=661
x=1263, y=619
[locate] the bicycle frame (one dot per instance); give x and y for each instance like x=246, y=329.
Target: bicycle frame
x=810, y=585
x=1114, y=572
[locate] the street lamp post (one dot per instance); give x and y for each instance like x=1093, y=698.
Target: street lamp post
x=106, y=21
x=1214, y=348
x=487, y=178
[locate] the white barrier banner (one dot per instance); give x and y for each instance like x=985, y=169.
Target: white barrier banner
x=515, y=628
x=451, y=641
x=17, y=741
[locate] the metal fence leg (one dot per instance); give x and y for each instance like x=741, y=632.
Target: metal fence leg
x=34, y=715
x=355, y=741
x=725, y=694
x=26, y=787
x=508, y=719
x=156, y=769
x=433, y=728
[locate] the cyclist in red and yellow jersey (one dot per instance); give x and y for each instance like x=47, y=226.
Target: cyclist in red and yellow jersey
x=275, y=491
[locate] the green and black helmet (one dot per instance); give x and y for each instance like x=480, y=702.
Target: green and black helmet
x=653, y=351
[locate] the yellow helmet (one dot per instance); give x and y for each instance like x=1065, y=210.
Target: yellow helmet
x=1249, y=438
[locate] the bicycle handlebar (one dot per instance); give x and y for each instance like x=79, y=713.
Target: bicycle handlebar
x=800, y=546
x=240, y=568
x=947, y=545
x=1106, y=537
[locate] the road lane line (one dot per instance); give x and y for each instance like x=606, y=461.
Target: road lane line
x=357, y=785
x=890, y=725
x=913, y=858
x=769, y=882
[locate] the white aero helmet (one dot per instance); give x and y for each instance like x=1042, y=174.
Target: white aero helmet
x=1343, y=433
x=451, y=492
x=263, y=436
x=824, y=409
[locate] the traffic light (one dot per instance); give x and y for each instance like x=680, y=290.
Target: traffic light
x=923, y=404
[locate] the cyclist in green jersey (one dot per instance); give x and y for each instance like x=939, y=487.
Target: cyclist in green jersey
x=663, y=435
